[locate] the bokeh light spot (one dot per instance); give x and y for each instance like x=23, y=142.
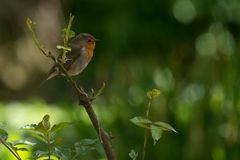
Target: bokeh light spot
x=164, y=79
x=206, y=44
x=192, y=93
x=14, y=77
x=136, y=95
x=184, y=11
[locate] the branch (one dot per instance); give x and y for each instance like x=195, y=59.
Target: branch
x=84, y=98
x=10, y=149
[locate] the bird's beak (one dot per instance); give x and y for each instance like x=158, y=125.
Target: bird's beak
x=97, y=40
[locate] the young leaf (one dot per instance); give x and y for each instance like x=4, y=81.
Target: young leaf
x=71, y=33
x=59, y=126
x=156, y=133
x=165, y=126
x=30, y=127
x=64, y=48
x=141, y=121
x=44, y=125
x=3, y=134
x=133, y=155
x=153, y=93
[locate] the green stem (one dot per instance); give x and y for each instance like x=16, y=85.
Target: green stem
x=11, y=150
x=146, y=131
x=65, y=39
x=49, y=146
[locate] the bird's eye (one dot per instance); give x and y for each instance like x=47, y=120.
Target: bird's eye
x=89, y=40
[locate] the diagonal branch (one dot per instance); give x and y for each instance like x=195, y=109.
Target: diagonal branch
x=84, y=98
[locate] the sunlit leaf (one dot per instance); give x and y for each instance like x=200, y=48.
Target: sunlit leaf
x=44, y=126
x=21, y=149
x=133, y=155
x=59, y=126
x=37, y=154
x=22, y=142
x=31, y=127
x=153, y=93
x=39, y=136
x=141, y=121
x=156, y=133
x=165, y=126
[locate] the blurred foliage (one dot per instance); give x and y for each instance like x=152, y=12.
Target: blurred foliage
x=189, y=49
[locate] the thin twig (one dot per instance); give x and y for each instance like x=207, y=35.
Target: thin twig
x=146, y=132
x=11, y=150
x=84, y=99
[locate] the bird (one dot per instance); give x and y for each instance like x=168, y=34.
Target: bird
x=82, y=49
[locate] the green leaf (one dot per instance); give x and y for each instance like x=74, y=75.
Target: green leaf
x=39, y=136
x=44, y=126
x=22, y=142
x=30, y=127
x=153, y=93
x=141, y=121
x=60, y=155
x=20, y=149
x=65, y=153
x=37, y=154
x=59, y=126
x=85, y=146
x=133, y=155
x=71, y=33
x=3, y=134
x=156, y=133
x=164, y=126
x=87, y=141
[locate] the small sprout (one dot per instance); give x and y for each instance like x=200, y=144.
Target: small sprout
x=67, y=33
x=63, y=48
x=70, y=35
x=44, y=126
x=99, y=91
x=153, y=93
x=133, y=155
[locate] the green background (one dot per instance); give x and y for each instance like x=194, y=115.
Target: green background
x=189, y=49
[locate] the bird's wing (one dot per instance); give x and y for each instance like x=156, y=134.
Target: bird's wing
x=72, y=55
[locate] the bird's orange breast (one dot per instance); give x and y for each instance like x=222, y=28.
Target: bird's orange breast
x=90, y=48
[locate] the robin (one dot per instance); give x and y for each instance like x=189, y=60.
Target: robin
x=82, y=47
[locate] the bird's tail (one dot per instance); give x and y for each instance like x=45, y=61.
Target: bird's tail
x=52, y=73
